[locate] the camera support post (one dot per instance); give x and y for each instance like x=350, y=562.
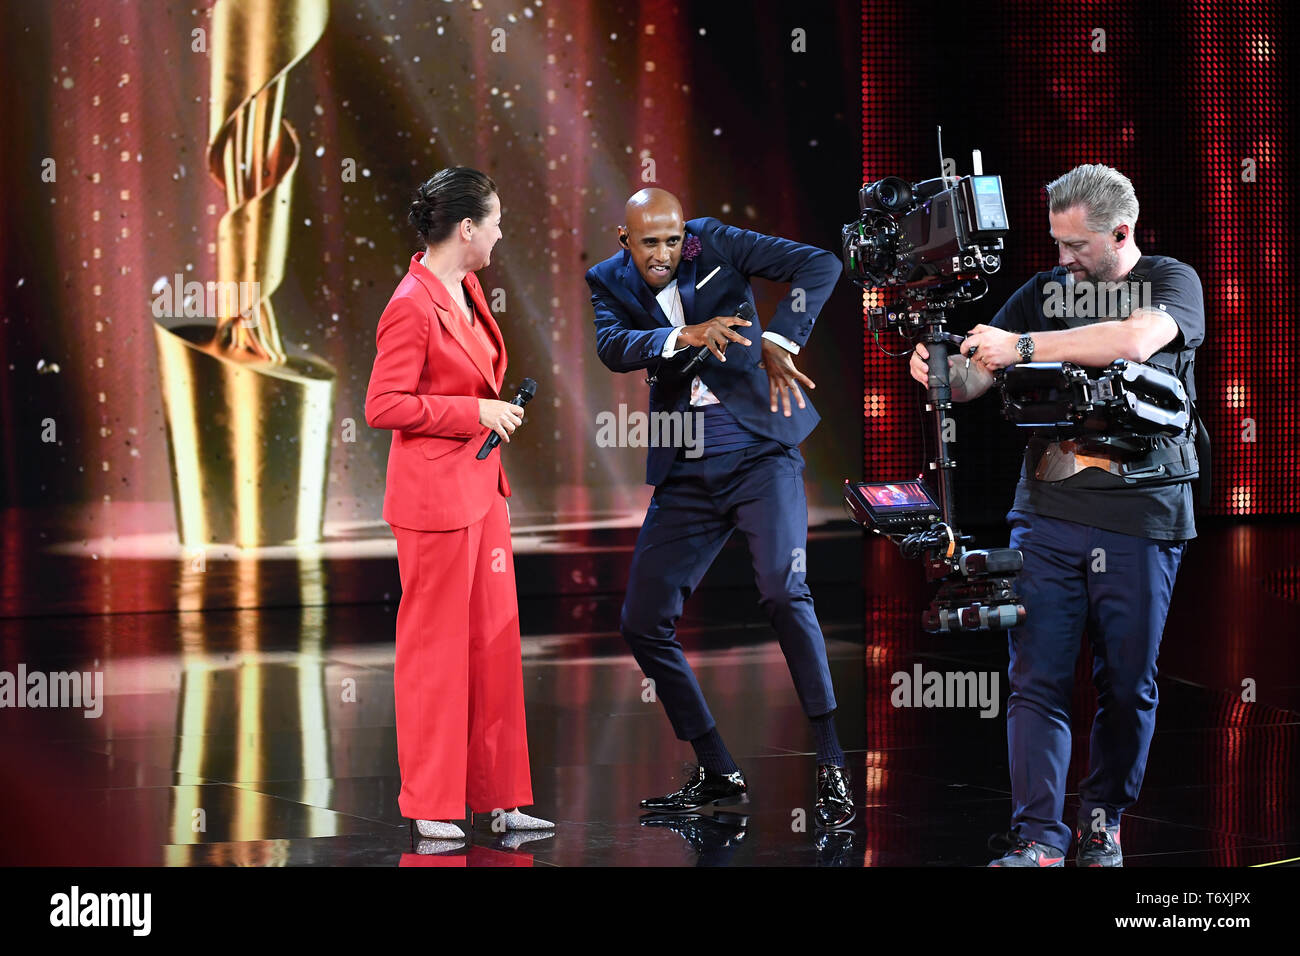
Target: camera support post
x=940, y=344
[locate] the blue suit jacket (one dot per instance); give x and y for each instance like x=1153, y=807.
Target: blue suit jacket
x=631, y=329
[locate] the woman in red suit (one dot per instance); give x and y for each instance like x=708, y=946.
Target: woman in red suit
x=436, y=383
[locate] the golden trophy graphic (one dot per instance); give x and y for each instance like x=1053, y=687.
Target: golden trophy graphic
x=247, y=425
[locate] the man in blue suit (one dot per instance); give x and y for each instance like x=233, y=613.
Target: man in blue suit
x=674, y=290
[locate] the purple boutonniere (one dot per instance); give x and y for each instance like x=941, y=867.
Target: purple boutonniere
x=691, y=247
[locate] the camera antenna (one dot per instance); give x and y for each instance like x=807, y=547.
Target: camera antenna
x=942, y=175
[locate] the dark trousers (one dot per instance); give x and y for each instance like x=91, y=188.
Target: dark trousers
x=758, y=490
x=1123, y=608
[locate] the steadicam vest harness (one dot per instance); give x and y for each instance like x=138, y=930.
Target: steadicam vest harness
x=1143, y=459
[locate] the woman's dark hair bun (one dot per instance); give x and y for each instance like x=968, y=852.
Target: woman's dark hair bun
x=447, y=197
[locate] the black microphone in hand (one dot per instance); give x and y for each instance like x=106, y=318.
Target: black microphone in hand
x=744, y=311
x=527, y=389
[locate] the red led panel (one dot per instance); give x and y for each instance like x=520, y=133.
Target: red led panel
x=1245, y=222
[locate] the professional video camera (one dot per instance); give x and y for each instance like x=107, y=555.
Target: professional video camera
x=928, y=247
x=938, y=233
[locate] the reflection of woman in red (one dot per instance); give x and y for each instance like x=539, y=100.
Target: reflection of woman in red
x=436, y=382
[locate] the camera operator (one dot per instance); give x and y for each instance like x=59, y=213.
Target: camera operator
x=1101, y=550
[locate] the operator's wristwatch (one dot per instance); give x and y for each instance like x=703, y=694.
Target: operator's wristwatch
x=1025, y=346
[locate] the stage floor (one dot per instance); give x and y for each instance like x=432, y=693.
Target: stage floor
x=264, y=735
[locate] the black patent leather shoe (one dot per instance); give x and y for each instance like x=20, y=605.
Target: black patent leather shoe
x=705, y=788
x=834, y=807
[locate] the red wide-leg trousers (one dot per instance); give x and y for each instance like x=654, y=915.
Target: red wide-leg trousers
x=458, y=682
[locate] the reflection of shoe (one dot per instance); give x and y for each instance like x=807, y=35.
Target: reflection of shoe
x=705, y=788
x=435, y=847
x=1101, y=848
x=703, y=833
x=1022, y=852
x=834, y=847
x=438, y=830
x=502, y=820
x=514, y=839
x=737, y=820
x=834, y=806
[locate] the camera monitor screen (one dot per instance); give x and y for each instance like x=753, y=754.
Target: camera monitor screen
x=897, y=495
x=888, y=505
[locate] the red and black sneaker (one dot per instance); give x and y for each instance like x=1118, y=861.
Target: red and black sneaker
x=1098, y=847
x=1028, y=853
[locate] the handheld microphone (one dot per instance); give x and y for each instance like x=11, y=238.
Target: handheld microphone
x=527, y=389
x=744, y=311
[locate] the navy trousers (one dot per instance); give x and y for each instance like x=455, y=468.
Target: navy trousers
x=758, y=490
x=1118, y=586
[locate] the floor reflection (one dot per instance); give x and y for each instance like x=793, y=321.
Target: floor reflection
x=262, y=734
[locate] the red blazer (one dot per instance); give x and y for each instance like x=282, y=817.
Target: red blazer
x=429, y=373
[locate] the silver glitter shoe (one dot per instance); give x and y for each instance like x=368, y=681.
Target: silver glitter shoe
x=518, y=820
x=437, y=830
x=511, y=820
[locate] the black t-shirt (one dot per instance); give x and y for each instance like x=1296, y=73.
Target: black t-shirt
x=1095, y=497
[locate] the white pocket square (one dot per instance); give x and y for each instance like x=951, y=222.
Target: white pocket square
x=700, y=284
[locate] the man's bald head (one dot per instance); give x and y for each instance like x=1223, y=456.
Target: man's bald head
x=649, y=203
x=652, y=231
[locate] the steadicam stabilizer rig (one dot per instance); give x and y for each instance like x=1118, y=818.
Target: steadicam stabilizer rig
x=1122, y=397
x=928, y=246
